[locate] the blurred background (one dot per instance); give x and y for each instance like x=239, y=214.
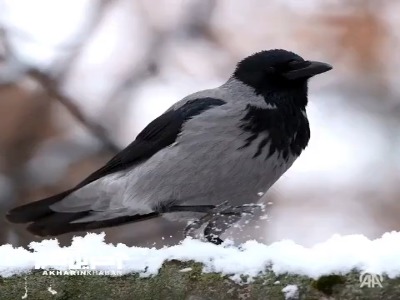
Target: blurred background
x=79, y=79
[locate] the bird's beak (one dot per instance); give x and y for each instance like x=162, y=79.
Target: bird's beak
x=306, y=69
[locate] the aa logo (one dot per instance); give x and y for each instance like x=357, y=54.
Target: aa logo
x=370, y=280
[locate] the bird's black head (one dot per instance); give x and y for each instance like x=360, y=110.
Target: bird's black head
x=279, y=74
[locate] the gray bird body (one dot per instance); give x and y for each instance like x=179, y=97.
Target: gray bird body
x=210, y=154
x=202, y=167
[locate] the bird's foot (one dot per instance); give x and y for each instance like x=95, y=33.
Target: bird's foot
x=245, y=209
x=219, y=219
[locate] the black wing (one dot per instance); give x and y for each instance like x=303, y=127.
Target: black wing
x=159, y=134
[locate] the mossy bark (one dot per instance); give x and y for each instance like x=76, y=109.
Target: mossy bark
x=173, y=284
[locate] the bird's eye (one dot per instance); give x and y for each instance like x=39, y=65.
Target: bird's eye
x=286, y=66
x=296, y=64
x=290, y=65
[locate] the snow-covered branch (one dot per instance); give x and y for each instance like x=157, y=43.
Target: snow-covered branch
x=185, y=280
x=342, y=267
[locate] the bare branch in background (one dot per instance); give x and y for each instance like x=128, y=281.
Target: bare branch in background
x=76, y=49
x=197, y=16
x=51, y=88
x=12, y=70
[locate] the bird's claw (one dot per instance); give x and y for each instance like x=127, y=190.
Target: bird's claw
x=219, y=219
x=246, y=209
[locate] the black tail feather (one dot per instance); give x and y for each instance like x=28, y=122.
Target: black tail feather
x=35, y=210
x=46, y=222
x=59, y=223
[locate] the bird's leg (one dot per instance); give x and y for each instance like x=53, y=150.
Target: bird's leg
x=196, y=224
x=190, y=208
x=224, y=219
x=218, y=225
x=245, y=209
x=221, y=218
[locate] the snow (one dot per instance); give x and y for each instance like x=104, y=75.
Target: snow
x=291, y=291
x=338, y=255
x=51, y=291
x=184, y=270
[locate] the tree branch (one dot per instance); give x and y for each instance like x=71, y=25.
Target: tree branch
x=185, y=281
x=51, y=88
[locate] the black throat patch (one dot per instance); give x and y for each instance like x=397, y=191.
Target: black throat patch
x=285, y=129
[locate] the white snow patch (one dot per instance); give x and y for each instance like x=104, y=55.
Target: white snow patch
x=25, y=295
x=338, y=255
x=291, y=292
x=51, y=291
x=185, y=270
